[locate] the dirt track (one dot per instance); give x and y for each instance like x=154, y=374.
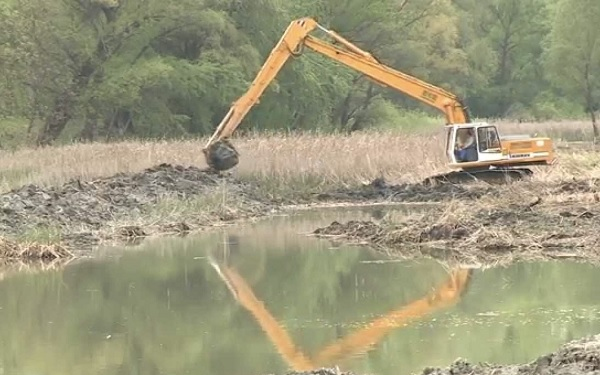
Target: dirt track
x=579, y=357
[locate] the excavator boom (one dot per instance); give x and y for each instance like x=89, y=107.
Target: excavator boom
x=489, y=156
x=219, y=152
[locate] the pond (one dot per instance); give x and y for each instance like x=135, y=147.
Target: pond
x=265, y=298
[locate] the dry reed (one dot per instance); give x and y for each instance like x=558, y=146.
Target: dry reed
x=285, y=160
x=12, y=250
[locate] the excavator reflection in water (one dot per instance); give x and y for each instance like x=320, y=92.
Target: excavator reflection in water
x=360, y=341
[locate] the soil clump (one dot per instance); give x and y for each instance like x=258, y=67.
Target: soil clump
x=379, y=190
x=484, y=232
x=82, y=214
x=17, y=251
x=577, y=357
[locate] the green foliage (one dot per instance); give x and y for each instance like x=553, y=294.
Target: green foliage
x=13, y=131
x=573, y=55
x=164, y=69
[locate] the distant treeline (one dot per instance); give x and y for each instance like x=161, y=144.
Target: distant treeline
x=161, y=68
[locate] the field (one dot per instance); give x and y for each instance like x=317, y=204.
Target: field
x=75, y=197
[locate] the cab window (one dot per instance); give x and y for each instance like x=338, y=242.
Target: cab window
x=488, y=138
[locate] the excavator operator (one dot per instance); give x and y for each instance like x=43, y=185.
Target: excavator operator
x=466, y=149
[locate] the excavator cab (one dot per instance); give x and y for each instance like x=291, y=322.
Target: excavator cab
x=478, y=152
x=473, y=142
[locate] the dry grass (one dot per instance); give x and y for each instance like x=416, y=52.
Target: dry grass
x=12, y=250
x=561, y=131
x=291, y=161
x=494, y=230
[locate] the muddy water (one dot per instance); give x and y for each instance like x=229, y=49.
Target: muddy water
x=265, y=299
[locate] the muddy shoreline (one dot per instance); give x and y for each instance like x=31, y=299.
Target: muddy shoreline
x=170, y=199
x=528, y=224
x=577, y=357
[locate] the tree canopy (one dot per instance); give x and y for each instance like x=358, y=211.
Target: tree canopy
x=120, y=68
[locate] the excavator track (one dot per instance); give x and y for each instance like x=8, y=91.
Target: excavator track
x=492, y=176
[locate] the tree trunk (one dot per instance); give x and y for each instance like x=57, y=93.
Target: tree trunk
x=88, y=133
x=594, y=124
x=589, y=99
x=370, y=94
x=57, y=120
x=64, y=105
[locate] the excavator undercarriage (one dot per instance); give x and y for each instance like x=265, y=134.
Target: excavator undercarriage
x=491, y=176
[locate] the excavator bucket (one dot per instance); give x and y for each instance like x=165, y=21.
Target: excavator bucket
x=221, y=155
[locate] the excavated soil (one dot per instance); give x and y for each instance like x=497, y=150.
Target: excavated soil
x=85, y=213
x=489, y=233
x=123, y=208
x=380, y=190
x=578, y=357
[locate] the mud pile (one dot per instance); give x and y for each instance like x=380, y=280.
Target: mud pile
x=379, y=189
x=580, y=357
x=81, y=212
x=80, y=207
x=500, y=234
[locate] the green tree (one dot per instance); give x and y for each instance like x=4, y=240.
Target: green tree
x=115, y=68
x=503, y=41
x=573, y=56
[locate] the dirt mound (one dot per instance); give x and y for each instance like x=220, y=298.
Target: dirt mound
x=364, y=229
x=574, y=358
x=578, y=186
x=86, y=206
x=379, y=189
x=501, y=234
x=321, y=371
x=578, y=357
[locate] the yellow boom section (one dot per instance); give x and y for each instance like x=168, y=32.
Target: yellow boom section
x=360, y=341
x=296, y=36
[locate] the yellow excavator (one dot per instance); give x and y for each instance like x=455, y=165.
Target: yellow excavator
x=474, y=150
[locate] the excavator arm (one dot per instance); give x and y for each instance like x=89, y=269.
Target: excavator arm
x=219, y=152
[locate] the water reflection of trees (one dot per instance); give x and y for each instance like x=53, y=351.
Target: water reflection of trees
x=170, y=313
